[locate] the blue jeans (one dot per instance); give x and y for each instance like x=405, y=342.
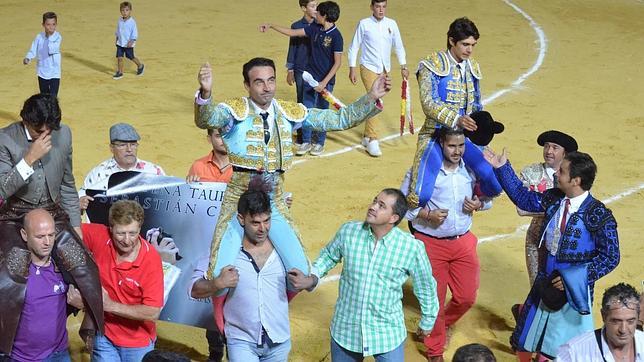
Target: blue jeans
x=340, y=354
x=49, y=86
x=105, y=350
x=60, y=356
x=313, y=99
x=243, y=351
x=299, y=91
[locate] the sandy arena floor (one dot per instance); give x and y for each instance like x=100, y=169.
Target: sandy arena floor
x=584, y=80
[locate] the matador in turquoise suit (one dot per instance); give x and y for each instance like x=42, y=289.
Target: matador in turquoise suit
x=257, y=131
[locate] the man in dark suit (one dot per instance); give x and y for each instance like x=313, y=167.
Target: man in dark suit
x=580, y=244
x=36, y=172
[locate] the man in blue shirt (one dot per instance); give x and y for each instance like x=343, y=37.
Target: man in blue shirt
x=299, y=51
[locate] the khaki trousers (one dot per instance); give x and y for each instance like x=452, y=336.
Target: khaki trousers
x=368, y=77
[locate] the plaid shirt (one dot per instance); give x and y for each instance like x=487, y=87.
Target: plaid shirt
x=368, y=316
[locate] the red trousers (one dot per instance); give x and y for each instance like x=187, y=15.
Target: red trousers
x=455, y=264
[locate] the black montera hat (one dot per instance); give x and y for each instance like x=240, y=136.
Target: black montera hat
x=567, y=142
x=551, y=297
x=486, y=128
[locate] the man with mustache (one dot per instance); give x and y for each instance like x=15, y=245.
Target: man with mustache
x=580, y=236
x=124, y=145
x=443, y=225
x=540, y=177
x=36, y=173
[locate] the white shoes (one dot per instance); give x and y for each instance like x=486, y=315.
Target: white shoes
x=373, y=147
x=303, y=149
x=317, y=150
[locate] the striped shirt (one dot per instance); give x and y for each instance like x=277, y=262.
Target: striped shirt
x=368, y=316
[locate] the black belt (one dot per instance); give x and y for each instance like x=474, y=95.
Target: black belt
x=451, y=237
x=251, y=170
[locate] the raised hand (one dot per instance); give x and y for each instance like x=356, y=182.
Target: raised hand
x=205, y=80
x=264, y=27
x=494, y=159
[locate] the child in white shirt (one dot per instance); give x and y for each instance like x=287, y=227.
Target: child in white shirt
x=46, y=47
x=126, y=35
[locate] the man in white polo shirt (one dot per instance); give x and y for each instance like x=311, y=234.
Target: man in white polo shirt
x=375, y=36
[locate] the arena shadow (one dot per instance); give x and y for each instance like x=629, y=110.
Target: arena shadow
x=173, y=346
x=88, y=63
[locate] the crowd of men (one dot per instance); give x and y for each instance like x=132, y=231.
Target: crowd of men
x=51, y=264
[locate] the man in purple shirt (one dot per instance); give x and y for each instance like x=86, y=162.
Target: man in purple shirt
x=42, y=332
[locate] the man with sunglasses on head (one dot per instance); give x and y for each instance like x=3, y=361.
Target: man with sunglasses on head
x=617, y=339
x=124, y=144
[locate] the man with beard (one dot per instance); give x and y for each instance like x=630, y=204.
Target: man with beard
x=580, y=236
x=443, y=225
x=36, y=173
x=540, y=177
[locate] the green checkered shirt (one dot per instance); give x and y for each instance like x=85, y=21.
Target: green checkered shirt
x=368, y=316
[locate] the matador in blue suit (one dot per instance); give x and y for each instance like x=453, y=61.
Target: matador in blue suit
x=580, y=243
x=450, y=91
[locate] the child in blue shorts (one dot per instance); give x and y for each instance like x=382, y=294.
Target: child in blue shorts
x=126, y=35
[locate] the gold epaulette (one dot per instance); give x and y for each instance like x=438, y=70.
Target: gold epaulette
x=238, y=107
x=437, y=63
x=475, y=68
x=292, y=111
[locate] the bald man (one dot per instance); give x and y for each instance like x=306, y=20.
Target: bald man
x=42, y=332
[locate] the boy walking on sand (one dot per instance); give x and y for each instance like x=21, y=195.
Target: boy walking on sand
x=126, y=35
x=46, y=47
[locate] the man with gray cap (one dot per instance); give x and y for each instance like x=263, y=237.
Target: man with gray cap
x=124, y=144
x=540, y=177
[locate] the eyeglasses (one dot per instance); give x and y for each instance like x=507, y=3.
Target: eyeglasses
x=125, y=145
